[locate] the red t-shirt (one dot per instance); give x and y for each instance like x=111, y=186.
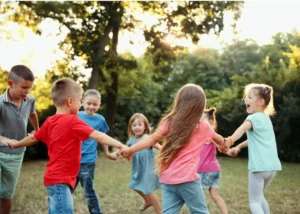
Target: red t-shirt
x=63, y=134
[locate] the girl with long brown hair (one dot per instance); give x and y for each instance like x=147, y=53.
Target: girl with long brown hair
x=183, y=135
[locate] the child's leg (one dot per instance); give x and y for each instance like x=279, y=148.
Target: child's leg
x=268, y=179
x=10, y=166
x=147, y=203
x=172, y=200
x=214, y=194
x=193, y=196
x=86, y=177
x=155, y=202
x=60, y=199
x=258, y=181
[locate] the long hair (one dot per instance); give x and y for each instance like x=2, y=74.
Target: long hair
x=181, y=119
x=265, y=92
x=141, y=117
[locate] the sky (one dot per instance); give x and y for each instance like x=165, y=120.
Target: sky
x=260, y=20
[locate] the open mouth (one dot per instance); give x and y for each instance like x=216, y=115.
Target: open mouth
x=247, y=105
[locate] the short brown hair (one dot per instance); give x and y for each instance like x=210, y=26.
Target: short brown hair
x=92, y=92
x=19, y=72
x=64, y=88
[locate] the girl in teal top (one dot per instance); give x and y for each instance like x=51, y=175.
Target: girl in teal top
x=263, y=158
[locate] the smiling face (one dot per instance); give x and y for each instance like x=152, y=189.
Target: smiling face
x=138, y=127
x=253, y=102
x=91, y=104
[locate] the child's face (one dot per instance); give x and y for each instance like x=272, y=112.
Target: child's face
x=91, y=104
x=138, y=127
x=19, y=90
x=76, y=104
x=253, y=102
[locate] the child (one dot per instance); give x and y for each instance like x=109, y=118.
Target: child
x=183, y=136
x=91, y=104
x=63, y=134
x=263, y=159
x=209, y=168
x=16, y=107
x=143, y=178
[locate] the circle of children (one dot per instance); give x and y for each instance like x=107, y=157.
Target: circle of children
x=185, y=164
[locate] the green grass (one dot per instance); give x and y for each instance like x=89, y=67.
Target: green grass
x=111, y=179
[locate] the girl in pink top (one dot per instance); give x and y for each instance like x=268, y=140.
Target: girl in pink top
x=183, y=136
x=209, y=168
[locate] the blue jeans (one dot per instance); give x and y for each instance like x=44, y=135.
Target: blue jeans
x=191, y=193
x=60, y=199
x=86, y=178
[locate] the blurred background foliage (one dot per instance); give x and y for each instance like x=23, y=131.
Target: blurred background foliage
x=147, y=84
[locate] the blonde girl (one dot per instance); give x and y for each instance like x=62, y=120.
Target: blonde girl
x=183, y=136
x=263, y=158
x=209, y=168
x=143, y=178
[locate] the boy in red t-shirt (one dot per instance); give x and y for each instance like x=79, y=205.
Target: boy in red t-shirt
x=63, y=134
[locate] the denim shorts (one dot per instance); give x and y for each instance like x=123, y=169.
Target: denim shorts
x=60, y=199
x=210, y=179
x=10, y=166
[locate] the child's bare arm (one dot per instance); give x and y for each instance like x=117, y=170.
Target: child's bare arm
x=4, y=141
x=157, y=146
x=111, y=156
x=146, y=143
x=33, y=118
x=247, y=125
x=105, y=149
x=104, y=139
x=27, y=141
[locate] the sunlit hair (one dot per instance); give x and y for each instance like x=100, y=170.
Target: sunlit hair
x=181, y=120
x=91, y=92
x=63, y=89
x=265, y=92
x=19, y=72
x=143, y=119
x=210, y=114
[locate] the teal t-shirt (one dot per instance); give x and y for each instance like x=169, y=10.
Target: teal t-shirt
x=262, y=146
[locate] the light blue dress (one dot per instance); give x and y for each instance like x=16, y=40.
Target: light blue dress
x=143, y=176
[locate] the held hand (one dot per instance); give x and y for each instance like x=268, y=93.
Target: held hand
x=125, y=152
x=31, y=133
x=112, y=156
x=234, y=151
x=11, y=143
x=227, y=142
x=224, y=147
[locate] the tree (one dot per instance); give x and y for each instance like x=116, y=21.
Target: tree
x=94, y=31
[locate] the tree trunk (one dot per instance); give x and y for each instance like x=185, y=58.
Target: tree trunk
x=111, y=105
x=112, y=91
x=96, y=70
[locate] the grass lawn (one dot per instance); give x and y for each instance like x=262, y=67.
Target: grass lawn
x=111, y=179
